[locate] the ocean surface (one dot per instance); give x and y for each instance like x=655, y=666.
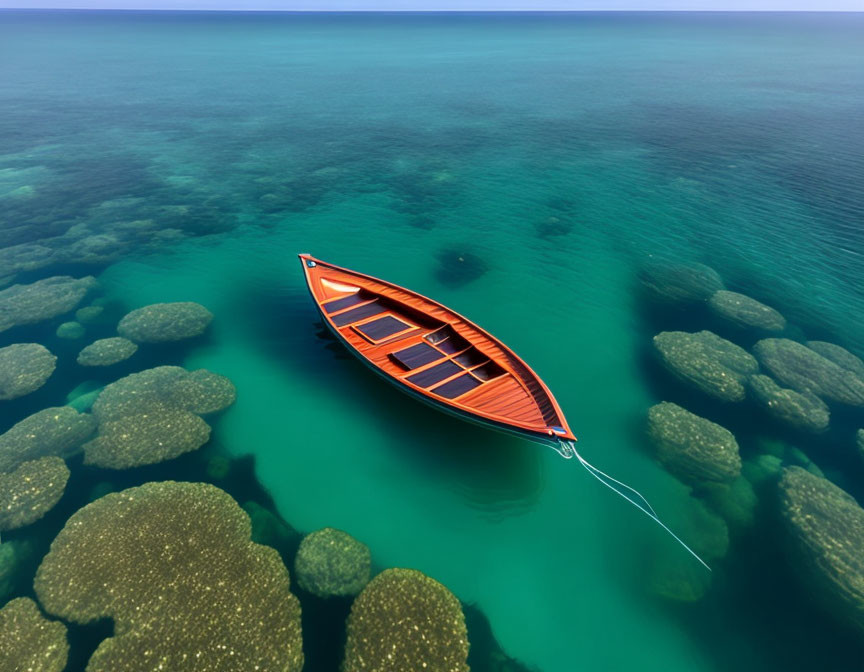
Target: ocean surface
x=555, y=155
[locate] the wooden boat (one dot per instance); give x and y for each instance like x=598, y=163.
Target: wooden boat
x=436, y=355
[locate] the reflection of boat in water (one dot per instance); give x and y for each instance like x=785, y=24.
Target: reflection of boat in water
x=436, y=355
x=447, y=361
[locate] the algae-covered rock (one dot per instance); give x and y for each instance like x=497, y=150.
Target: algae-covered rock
x=172, y=565
x=107, y=351
x=680, y=283
x=30, y=642
x=31, y=490
x=709, y=363
x=89, y=314
x=146, y=438
x=163, y=322
x=204, y=392
x=404, y=620
x=26, y=256
x=675, y=575
x=52, y=431
x=859, y=440
x=745, y=312
x=42, y=300
x=693, y=449
x=198, y=391
x=24, y=368
x=138, y=392
x=839, y=355
x=145, y=417
x=826, y=526
x=735, y=502
x=71, y=331
x=805, y=370
x=800, y=410
x=332, y=563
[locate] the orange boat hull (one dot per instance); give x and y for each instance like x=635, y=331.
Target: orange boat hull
x=435, y=354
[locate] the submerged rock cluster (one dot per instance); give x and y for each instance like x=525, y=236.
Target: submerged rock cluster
x=51, y=431
x=173, y=566
x=805, y=370
x=745, y=312
x=41, y=300
x=31, y=490
x=680, y=284
x=826, y=526
x=709, y=363
x=107, y=351
x=839, y=355
x=24, y=368
x=332, y=563
x=162, y=322
x=797, y=385
x=404, y=620
x=801, y=410
x=180, y=575
x=33, y=473
x=694, y=449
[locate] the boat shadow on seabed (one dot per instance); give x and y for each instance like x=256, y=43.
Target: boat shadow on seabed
x=495, y=473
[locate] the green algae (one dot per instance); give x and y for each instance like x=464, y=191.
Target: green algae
x=28, y=641
x=173, y=565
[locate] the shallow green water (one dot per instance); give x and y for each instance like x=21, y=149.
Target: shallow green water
x=383, y=142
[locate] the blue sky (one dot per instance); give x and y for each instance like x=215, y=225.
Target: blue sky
x=785, y=5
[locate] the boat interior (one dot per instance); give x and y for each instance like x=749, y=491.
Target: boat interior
x=432, y=355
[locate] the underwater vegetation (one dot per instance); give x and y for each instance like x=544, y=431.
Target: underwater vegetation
x=24, y=368
x=31, y=490
x=187, y=578
x=146, y=558
x=332, y=563
x=29, y=641
x=42, y=300
x=827, y=529
x=154, y=415
x=163, y=322
x=796, y=385
x=107, y=351
x=404, y=619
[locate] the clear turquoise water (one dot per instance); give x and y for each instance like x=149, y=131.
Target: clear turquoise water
x=379, y=142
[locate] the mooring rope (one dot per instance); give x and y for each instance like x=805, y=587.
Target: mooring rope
x=647, y=509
